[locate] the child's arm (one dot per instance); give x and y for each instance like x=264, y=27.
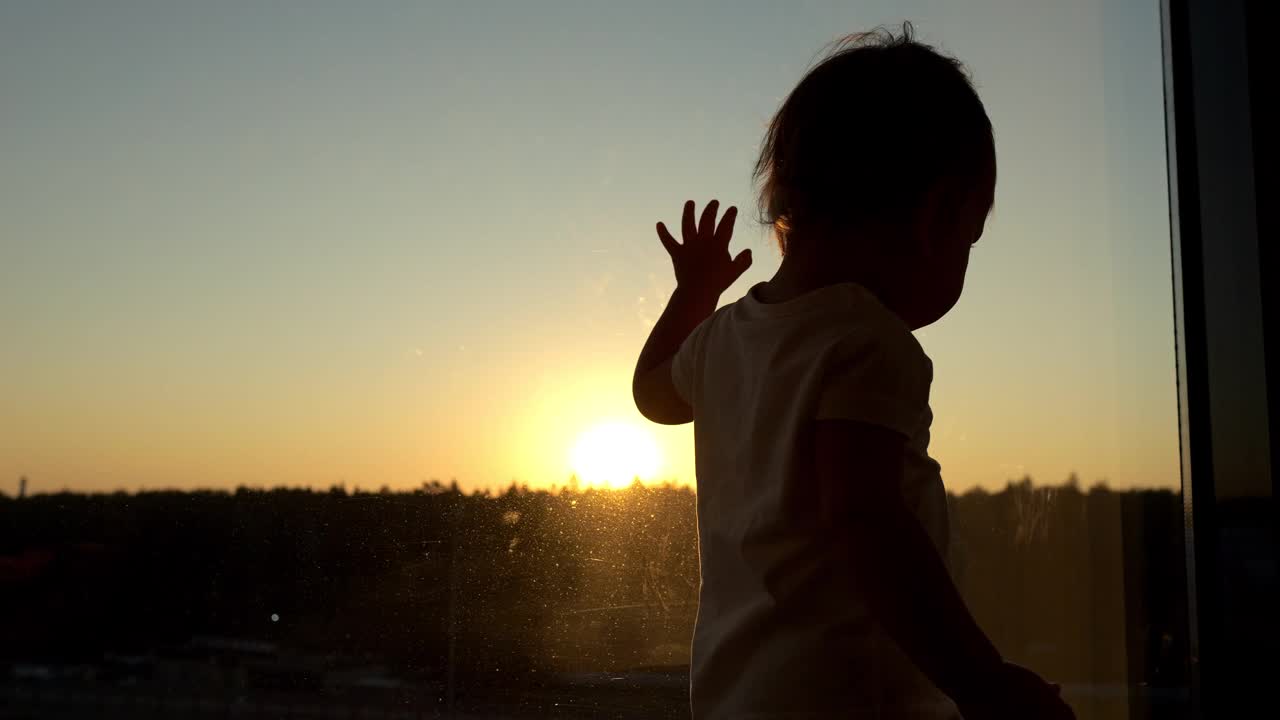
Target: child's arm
x=703, y=270
x=859, y=471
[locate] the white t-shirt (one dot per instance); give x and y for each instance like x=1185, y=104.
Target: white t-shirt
x=782, y=631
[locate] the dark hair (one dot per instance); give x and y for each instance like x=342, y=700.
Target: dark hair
x=868, y=132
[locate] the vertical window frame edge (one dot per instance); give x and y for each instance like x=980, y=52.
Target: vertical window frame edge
x=1220, y=341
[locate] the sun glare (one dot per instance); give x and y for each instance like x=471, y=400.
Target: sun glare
x=612, y=454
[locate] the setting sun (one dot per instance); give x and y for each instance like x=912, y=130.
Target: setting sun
x=614, y=453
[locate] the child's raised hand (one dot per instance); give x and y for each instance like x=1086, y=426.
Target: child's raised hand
x=702, y=262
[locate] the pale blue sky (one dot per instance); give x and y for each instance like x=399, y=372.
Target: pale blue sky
x=310, y=242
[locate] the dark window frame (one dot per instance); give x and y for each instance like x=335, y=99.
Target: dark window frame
x=1225, y=404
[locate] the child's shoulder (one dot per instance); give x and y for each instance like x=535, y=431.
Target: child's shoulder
x=867, y=330
x=837, y=321
x=879, y=333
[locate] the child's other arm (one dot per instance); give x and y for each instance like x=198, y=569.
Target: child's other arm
x=703, y=270
x=859, y=470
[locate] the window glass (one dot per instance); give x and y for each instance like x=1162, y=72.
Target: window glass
x=319, y=320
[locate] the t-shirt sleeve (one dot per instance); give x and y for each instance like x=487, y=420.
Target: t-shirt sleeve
x=878, y=381
x=684, y=364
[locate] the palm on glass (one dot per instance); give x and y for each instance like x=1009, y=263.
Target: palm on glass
x=702, y=262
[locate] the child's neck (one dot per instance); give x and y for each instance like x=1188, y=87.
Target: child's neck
x=802, y=273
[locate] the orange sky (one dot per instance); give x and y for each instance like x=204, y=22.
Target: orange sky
x=302, y=246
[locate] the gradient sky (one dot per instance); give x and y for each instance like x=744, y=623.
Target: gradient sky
x=313, y=242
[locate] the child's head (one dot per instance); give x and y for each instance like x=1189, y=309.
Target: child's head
x=883, y=151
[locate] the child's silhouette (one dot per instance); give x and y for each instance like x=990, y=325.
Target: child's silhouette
x=821, y=517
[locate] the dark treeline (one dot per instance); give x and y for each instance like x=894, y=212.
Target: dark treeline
x=1085, y=586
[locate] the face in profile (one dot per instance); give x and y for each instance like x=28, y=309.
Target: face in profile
x=947, y=235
